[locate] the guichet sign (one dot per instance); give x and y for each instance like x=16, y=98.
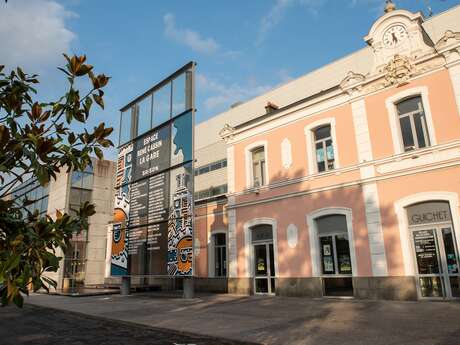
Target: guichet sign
x=429, y=212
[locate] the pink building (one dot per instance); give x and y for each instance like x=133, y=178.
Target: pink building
x=346, y=181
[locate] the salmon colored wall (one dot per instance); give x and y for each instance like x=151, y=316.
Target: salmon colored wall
x=325, y=181
x=295, y=133
x=208, y=218
x=446, y=120
x=297, y=262
x=392, y=190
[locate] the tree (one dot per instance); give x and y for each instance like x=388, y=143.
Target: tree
x=36, y=140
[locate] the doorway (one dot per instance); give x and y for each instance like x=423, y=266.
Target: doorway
x=264, y=270
x=263, y=262
x=436, y=257
x=435, y=250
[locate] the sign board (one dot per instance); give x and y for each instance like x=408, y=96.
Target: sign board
x=153, y=217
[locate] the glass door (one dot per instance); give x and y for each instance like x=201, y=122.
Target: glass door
x=450, y=262
x=264, y=269
x=437, y=262
x=428, y=261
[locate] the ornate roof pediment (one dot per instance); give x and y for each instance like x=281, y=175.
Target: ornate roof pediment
x=351, y=79
x=448, y=40
x=226, y=132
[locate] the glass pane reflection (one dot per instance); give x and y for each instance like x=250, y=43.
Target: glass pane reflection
x=161, y=105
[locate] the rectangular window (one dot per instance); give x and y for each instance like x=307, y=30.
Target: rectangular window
x=161, y=105
x=125, y=126
x=324, y=148
x=413, y=125
x=258, y=167
x=334, y=245
x=143, y=111
x=220, y=255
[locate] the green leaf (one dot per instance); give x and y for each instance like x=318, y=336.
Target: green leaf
x=18, y=300
x=99, y=153
x=99, y=101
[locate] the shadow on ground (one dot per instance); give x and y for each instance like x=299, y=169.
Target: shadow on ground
x=35, y=325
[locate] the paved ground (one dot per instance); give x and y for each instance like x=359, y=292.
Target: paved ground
x=279, y=320
x=35, y=325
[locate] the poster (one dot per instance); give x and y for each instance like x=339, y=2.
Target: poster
x=119, y=252
x=426, y=252
x=180, y=230
x=328, y=263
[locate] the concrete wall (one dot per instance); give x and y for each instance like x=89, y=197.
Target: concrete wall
x=102, y=198
x=58, y=199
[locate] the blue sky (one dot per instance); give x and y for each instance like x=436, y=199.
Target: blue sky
x=242, y=47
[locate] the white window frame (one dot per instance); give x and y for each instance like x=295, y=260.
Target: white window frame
x=311, y=151
x=211, y=252
x=405, y=232
x=248, y=246
x=315, y=254
x=248, y=161
x=393, y=117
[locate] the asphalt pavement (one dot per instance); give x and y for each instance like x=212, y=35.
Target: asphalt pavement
x=256, y=319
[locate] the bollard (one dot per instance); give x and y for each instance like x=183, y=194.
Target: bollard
x=189, y=288
x=125, y=288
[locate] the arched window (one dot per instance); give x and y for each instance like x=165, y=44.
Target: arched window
x=435, y=249
x=334, y=245
x=258, y=166
x=412, y=122
x=324, y=148
x=220, y=255
x=264, y=259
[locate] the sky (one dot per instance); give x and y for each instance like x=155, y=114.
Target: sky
x=242, y=48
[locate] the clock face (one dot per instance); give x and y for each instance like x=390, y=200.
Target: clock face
x=394, y=36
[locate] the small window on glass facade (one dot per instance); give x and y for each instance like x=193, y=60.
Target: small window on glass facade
x=179, y=95
x=220, y=255
x=125, y=127
x=36, y=194
x=143, y=111
x=412, y=122
x=334, y=245
x=258, y=167
x=161, y=105
x=324, y=148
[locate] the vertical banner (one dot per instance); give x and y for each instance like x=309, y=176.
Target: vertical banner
x=153, y=216
x=119, y=265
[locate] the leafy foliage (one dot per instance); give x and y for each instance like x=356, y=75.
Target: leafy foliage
x=36, y=141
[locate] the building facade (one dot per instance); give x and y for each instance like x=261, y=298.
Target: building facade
x=83, y=263
x=346, y=181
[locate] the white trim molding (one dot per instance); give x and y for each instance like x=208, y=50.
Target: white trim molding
x=249, y=253
x=363, y=139
x=308, y=129
x=454, y=73
x=292, y=236
x=248, y=162
x=375, y=230
x=404, y=233
x=390, y=102
x=231, y=242
x=231, y=169
x=314, y=242
x=211, y=252
x=286, y=153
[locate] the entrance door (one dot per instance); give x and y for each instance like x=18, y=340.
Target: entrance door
x=437, y=262
x=264, y=270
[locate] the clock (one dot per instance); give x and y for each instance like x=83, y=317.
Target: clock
x=394, y=36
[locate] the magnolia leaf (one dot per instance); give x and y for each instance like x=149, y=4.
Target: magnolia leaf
x=99, y=101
